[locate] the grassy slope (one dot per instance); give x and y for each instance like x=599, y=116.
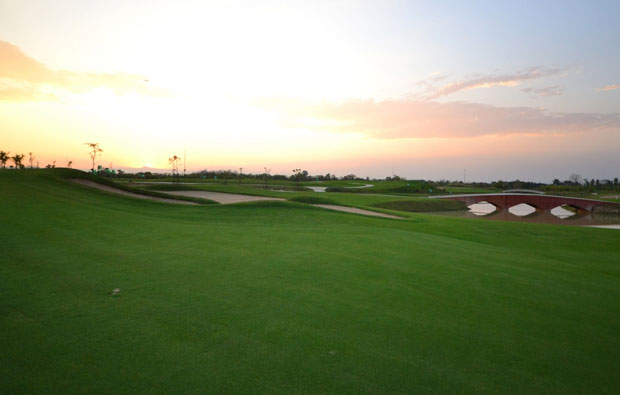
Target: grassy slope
x=285, y=298
x=69, y=173
x=374, y=202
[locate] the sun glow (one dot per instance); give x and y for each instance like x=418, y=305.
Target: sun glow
x=258, y=84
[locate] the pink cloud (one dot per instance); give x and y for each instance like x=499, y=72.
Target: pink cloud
x=401, y=119
x=547, y=91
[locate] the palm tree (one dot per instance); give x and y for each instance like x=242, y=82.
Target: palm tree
x=17, y=159
x=174, y=161
x=94, y=151
x=4, y=156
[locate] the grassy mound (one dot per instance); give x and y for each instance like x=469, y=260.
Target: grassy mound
x=312, y=200
x=425, y=205
x=395, y=187
x=281, y=297
x=171, y=187
x=72, y=174
x=291, y=188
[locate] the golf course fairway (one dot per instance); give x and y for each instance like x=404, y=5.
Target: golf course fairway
x=281, y=297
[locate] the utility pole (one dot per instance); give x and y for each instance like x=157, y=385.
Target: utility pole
x=240, y=173
x=184, y=159
x=464, y=176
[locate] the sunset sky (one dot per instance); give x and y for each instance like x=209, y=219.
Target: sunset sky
x=422, y=89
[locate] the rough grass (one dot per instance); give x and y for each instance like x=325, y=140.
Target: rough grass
x=312, y=200
x=170, y=187
x=280, y=298
x=426, y=205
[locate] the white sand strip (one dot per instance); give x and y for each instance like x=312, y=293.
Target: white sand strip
x=220, y=197
x=605, y=226
x=355, y=211
x=117, y=191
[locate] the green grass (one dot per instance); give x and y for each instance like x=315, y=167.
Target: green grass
x=423, y=205
x=312, y=200
x=282, y=297
x=469, y=190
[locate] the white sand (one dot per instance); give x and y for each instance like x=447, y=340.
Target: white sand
x=117, y=191
x=355, y=211
x=606, y=226
x=220, y=197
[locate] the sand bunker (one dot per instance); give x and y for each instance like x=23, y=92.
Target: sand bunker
x=220, y=197
x=355, y=211
x=229, y=198
x=117, y=191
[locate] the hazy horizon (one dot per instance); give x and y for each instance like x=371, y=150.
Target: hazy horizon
x=423, y=90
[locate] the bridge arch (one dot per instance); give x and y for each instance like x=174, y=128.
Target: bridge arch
x=524, y=210
x=503, y=201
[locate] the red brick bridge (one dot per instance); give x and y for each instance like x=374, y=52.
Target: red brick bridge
x=540, y=202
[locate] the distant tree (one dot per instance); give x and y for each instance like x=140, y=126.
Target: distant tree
x=174, y=162
x=299, y=175
x=296, y=174
x=17, y=159
x=575, y=178
x=616, y=181
x=93, y=152
x=556, y=182
x=30, y=158
x=69, y=163
x=266, y=174
x=4, y=157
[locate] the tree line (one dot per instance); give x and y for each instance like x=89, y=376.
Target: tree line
x=574, y=183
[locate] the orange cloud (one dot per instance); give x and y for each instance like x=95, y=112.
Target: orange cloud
x=401, y=119
x=509, y=80
x=610, y=87
x=24, y=78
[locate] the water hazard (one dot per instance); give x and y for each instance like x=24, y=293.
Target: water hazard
x=526, y=213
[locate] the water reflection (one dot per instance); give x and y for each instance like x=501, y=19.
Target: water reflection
x=522, y=210
x=563, y=213
x=526, y=213
x=482, y=208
